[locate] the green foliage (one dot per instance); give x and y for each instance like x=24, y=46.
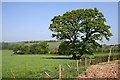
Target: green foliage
x=83, y=26
x=40, y=48
x=17, y=49
x=64, y=49
x=6, y=46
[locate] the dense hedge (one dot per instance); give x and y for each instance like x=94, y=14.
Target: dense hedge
x=105, y=58
x=99, y=59
x=40, y=48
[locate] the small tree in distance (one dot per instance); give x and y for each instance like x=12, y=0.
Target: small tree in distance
x=82, y=29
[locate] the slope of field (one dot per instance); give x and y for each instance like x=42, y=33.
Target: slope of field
x=53, y=46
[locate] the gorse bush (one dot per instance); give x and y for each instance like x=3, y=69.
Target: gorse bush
x=40, y=48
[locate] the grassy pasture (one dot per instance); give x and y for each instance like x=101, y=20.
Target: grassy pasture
x=106, y=54
x=34, y=66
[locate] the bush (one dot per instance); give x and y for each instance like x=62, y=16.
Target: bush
x=16, y=49
x=41, y=48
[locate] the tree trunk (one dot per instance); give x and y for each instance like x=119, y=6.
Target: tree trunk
x=74, y=56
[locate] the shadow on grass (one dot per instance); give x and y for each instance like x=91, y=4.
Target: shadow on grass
x=58, y=58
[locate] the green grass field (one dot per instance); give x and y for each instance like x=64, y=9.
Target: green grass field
x=106, y=54
x=35, y=66
x=32, y=66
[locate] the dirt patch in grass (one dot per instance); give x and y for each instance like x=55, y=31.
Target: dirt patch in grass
x=104, y=70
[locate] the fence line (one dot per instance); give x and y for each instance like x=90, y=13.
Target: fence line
x=81, y=63
x=47, y=74
x=60, y=73
x=69, y=66
x=77, y=65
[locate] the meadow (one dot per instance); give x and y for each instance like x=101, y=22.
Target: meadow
x=36, y=66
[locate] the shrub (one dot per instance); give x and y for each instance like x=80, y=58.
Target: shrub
x=41, y=48
x=16, y=49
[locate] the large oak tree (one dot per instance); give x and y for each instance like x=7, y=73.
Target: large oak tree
x=82, y=28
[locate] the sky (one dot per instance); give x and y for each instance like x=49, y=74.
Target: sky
x=23, y=21
x=119, y=22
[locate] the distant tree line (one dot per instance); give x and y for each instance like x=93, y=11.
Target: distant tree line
x=30, y=41
x=44, y=48
x=39, y=41
x=40, y=48
x=7, y=46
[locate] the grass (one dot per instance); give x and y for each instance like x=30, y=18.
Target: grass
x=32, y=66
x=119, y=62
x=105, y=54
x=53, y=45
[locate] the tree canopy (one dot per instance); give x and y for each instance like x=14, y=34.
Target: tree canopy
x=81, y=27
